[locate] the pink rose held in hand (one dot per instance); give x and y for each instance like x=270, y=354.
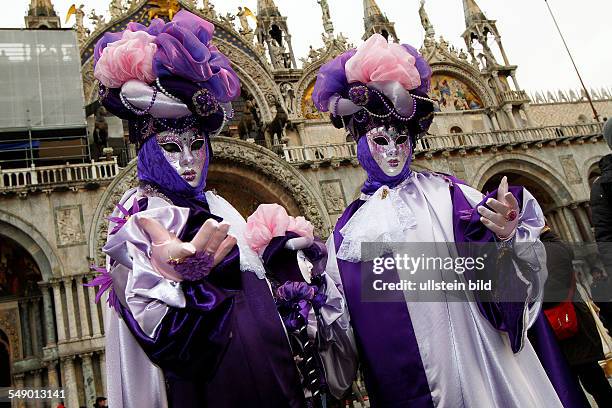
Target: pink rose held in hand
x=129, y=58
x=377, y=60
x=272, y=220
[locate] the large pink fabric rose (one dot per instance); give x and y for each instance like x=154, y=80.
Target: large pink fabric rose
x=129, y=58
x=301, y=226
x=272, y=220
x=267, y=222
x=378, y=60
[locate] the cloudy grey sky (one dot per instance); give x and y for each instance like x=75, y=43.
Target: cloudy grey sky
x=528, y=33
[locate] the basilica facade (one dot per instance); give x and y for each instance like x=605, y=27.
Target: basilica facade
x=278, y=148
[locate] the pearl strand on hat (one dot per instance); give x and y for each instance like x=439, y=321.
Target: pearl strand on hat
x=132, y=109
x=165, y=92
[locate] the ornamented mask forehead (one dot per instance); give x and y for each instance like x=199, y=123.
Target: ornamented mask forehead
x=390, y=149
x=185, y=150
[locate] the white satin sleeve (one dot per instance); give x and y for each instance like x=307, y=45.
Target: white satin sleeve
x=140, y=288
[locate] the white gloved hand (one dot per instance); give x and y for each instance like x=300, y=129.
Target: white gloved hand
x=168, y=251
x=503, y=220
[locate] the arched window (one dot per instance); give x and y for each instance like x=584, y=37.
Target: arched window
x=456, y=129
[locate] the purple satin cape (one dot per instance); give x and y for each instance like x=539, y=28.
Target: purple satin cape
x=388, y=348
x=227, y=347
x=389, y=352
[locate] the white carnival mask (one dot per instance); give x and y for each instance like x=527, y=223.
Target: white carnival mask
x=390, y=149
x=186, y=153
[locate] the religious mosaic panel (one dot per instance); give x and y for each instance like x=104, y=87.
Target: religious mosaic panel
x=308, y=107
x=453, y=95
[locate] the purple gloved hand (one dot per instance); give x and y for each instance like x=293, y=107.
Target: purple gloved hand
x=177, y=260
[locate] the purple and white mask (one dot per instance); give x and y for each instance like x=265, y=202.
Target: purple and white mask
x=186, y=153
x=390, y=149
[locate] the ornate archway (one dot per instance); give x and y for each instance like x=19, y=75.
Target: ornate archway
x=528, y=171
x=28, y=237
x=244, y=173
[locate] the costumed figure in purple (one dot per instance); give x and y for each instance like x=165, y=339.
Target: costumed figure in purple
x=205, y=309
x=462, y=349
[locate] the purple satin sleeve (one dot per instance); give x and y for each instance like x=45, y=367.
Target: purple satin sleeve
x=190, y=341
x=504, y=316
x=330, y=325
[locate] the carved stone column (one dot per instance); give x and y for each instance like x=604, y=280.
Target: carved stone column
x=93, y=311
x=510, y=115
x=37, y=385
x=72, y=325
x=103, y=371
x=71, y=394
x=37, y=336
x=565, y=231
x=19, y=383
x=85, y=329
x=48, y=316
x=551, y=222
x=573, y=226
x=584, y=223
x=53, y=379
x=26, y=335
x=89, y=380
x=59, y=312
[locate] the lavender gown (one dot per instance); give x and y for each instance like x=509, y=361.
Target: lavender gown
x=443, y=354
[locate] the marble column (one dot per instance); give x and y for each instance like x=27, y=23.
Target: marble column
x=71, y=393
x=88, y=379
x=18, y=380
x=495, y=121
x=552, y=222
x=48, y=316
x=85, y=329
x=573, y=226
x=37, y=385
x=510, y=115
x=567, y=236
x=59, y=312
x=70, y=310
x=103, y=371
x=585, y=224
x=26, y=336
x=53, y=380
x=37, y=336
x=93, y=311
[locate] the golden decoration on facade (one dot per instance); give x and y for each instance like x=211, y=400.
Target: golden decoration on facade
x=164, y=8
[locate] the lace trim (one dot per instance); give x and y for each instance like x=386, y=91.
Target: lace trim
x=382, y=221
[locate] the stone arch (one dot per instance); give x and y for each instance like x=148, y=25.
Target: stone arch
x=537, y=175
x=33, y=242
x=592, y=171
x=260, y=166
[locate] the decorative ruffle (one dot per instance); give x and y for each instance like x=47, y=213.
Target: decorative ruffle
x=382, y=221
